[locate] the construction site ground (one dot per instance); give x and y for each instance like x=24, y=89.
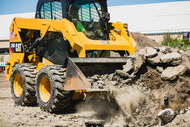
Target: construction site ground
x=14, y=116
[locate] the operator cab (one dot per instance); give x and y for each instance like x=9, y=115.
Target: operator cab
x=89, y=16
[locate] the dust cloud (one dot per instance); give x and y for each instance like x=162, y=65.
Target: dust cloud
x=123, y=106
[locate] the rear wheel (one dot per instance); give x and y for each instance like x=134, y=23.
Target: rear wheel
x=23, y=84
x=51, y=95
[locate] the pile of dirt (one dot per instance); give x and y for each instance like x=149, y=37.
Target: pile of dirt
x=143, y=41
x=173, y=94
x=152, y=80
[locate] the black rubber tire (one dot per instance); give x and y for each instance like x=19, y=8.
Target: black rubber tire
x=28, y=74
x=59, y=99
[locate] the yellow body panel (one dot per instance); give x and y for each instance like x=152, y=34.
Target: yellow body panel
x=41, y=64
x=78, y=40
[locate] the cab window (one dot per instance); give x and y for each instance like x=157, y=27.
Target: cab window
x=86, y=16
x=51, y=10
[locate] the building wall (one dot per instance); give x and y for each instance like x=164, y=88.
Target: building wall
x=4, y=43
x=157, y=38
x=154, y=18
x=6, y=20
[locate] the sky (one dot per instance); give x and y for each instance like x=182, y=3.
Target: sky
x=25, y=6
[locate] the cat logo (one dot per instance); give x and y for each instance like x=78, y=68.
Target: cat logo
x=18, y=47
x=18, y=50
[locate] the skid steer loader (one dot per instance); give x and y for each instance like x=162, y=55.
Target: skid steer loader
x=52, y=54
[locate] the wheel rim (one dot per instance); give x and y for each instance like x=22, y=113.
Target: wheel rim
x=18, y=85
x=45, y=89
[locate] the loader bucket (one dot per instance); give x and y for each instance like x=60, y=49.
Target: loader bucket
x=80, y=68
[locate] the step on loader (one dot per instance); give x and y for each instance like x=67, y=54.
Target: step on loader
x=52, y=54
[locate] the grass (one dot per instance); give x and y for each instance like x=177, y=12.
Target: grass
x=176, y=42
x=1, y=59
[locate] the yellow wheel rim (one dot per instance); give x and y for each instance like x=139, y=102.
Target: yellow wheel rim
x=45, y=89
x=18, y=85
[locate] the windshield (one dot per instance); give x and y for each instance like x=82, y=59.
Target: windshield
x=86, y=15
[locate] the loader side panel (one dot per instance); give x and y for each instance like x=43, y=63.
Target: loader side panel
x=16, y=50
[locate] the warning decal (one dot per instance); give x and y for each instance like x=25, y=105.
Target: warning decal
x=16, y=47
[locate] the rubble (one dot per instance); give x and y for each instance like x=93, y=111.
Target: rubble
x=171, y=58
x=122, y=73
x=166, y=115
x=139, y=61
x=172, y=73
x=151, y=52
x=156, y=60
x=187, y=53
x=165, y=50
x=129, y=66
x=142, y=51
x=164, y=73
x=95, y=123
x=170, y=65
x=160, y=69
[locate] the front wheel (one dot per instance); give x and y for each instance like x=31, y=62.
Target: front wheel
x=51, y=95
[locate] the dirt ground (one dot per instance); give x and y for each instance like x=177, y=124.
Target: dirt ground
x=14, y=116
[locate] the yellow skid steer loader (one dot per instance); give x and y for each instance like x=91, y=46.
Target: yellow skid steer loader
x=51, y=55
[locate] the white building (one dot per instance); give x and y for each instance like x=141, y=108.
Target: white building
x=150, y=19
x=154, y=19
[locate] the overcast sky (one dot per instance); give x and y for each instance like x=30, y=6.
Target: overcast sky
x=24, y=6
